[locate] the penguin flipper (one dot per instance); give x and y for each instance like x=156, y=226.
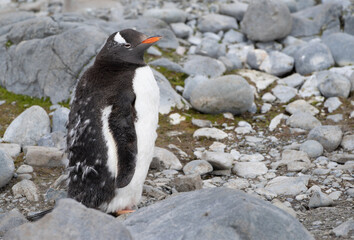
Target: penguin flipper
x=121, y=123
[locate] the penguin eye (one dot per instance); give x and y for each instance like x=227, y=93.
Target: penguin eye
x=127, y=45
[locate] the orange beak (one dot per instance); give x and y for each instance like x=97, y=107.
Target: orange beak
x=151, y=39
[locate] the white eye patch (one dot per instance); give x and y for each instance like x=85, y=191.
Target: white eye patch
x=119, y=39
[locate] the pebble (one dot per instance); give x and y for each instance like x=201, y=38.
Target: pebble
x=284, y=93
x=213, y=133
x=219, y=160
x=238, y=183
x=201, y=123
x=333, y=84
x=303, y=120
x=283, y=185
x=167, y=159
x=301, y=106
x=249, y=169
x=348, y=143
x=343, y=229
x=276, y=121
x=197, y=167
x=329, y=136
x=188, y=183
x=7, y=168
x=295, y=80
x=277, y=63
x=11, y=149
x=257, y=157
x=335, y=117
x=312, y=148
x=216, y=22
x=332, y=104
x=44, y=156
x=26, y=188
x=176, y=118
x=217, y=147
x=319, y=199
x=59, y=119
x=181, y=30
x=24, y=169
x=268, y=97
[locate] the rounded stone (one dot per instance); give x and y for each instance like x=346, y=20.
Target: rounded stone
x=216, y=22
x=333, y=85
x=312, y=148
x=229, y=93
x=303, y=120
x=30, y=126
x=329, y=136
x=313, y=56
x=7, y=168
x=266, y=20
x=197, y=167
x=342, y=47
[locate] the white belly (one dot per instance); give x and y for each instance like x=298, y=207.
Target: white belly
x=146, y=106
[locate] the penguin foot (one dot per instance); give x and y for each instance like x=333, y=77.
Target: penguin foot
x=124, y=211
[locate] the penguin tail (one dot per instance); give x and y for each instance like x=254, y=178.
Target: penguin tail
x=37, y=216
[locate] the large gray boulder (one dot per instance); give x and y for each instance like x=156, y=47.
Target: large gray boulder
x=196, y=215
x=71, y=220
x=7, y=168
x=316, y=20
x=313, y=56
x=229, y=93
x=202, y=65
x=169, y=15
x=216, y=23
x=30, y=126
x=342, y=47
x=41, y=59
x=10, y=220
x=266, y=20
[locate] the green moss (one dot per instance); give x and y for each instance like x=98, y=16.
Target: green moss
x=175, y=78
x=8, y=44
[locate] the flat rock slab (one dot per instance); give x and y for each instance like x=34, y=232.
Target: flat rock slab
x=44, y=156
x=217, y=213
x=71, y=220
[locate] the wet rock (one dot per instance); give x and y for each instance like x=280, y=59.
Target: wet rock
x=284, y=93
x=213, y=133
x=202, y=65
x=277, y=63
x=301, y=106
x=167, y=158
x=68, y=215
x=216, y=22
x=332, y=104
x=218, y=160
x=329, y=136
x=188, y=183
x=313, y=56
x=11, y=220
x=201, y=208
x=344, y=229
x=266, y=20
x=7, y=168
x=319, y=199
x=43, y=156
x=250, y=169
x=288, y=185
x=197, y=167
x=348, y=143
x=303, y=120
x=11, y=149
x=201, y=123
x=60, y=118
x=169, y=15
x=166, y=63
x=28, y=127
x=342, y=47
x=333, y=84
x=312, y=148
x=229, y=93
x=26, y=188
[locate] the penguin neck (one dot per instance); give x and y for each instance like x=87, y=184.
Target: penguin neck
x=118, y=66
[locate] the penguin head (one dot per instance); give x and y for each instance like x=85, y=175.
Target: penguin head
x=126, y=46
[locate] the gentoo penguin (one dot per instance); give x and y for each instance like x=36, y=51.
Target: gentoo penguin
x=112, y=125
